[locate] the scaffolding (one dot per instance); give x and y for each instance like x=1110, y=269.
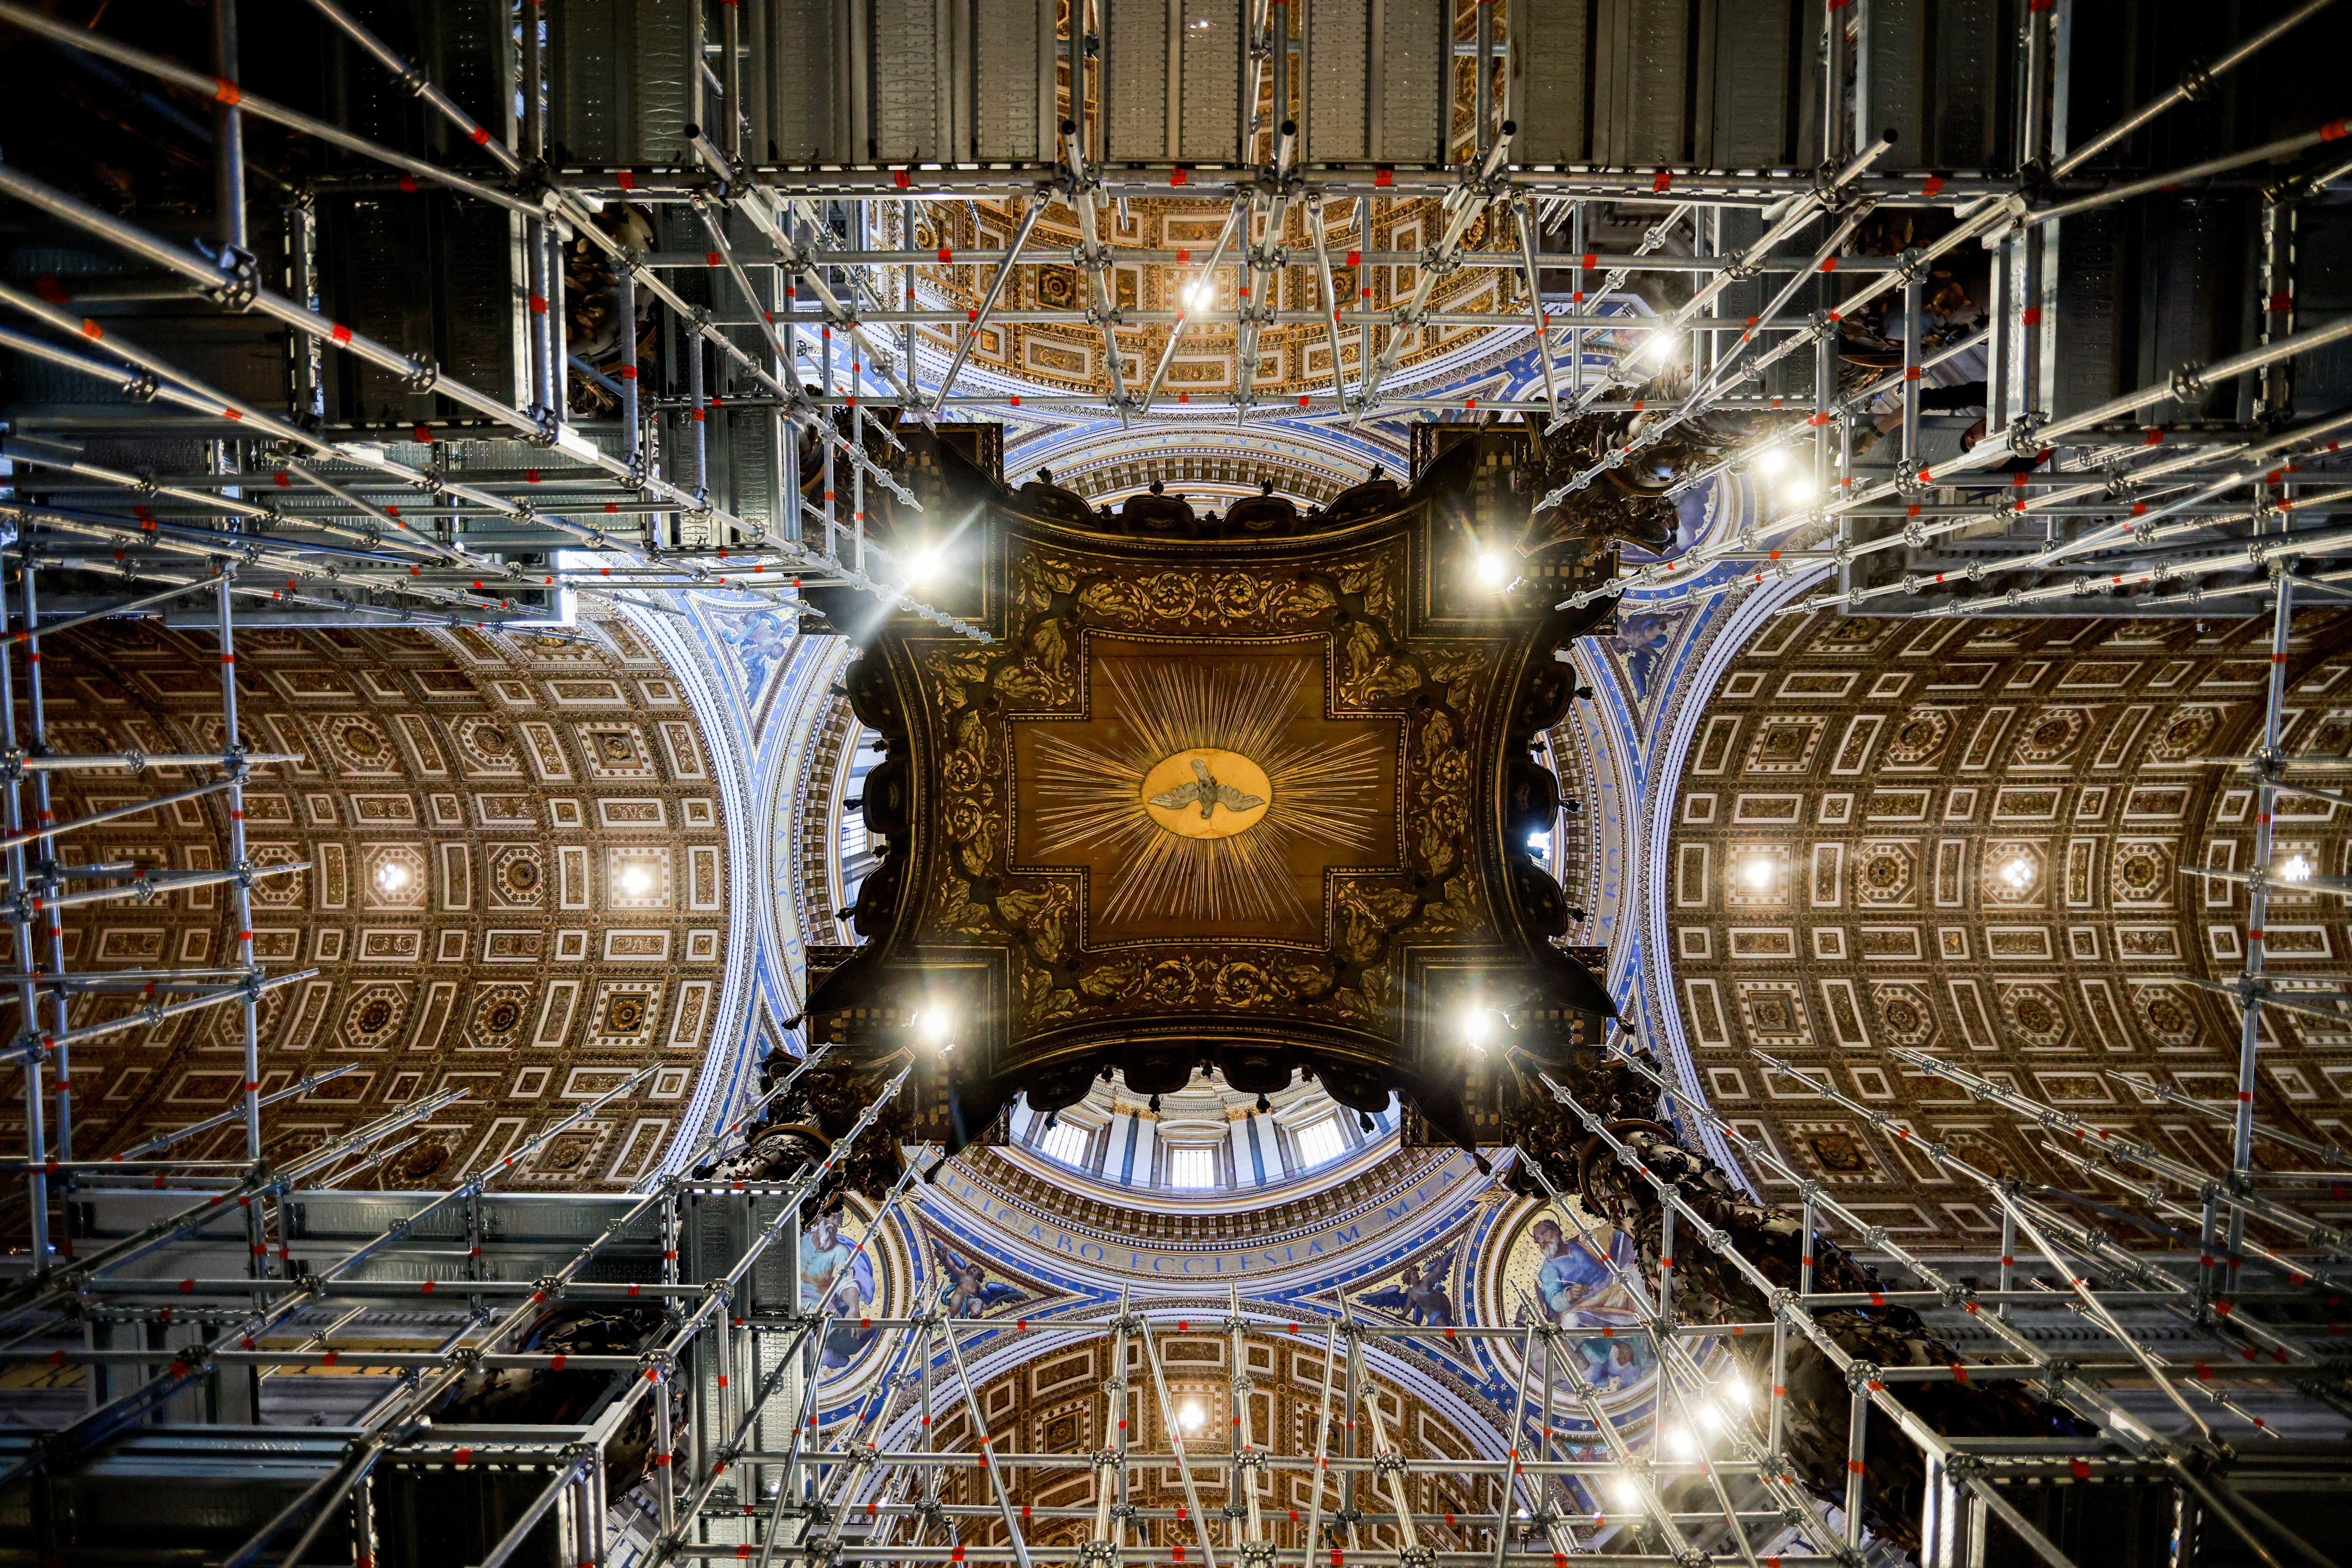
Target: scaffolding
x=710, y=1437
x=748, y=1455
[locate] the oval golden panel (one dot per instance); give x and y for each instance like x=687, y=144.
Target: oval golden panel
x=1199, y=794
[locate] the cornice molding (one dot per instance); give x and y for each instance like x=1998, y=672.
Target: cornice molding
x=1728, y=633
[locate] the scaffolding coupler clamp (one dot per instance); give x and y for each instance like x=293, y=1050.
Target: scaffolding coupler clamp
x=240, y=279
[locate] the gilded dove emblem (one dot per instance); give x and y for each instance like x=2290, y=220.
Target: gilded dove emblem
x=1207, y=792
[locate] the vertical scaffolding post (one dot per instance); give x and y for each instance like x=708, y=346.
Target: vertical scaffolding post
x=2282, y=212
x=857, y=231
x=241, y=891
x=302, y=273
x=1320, y=1477
x=1508, y=1484
x=731, y=75
x=559, y=358
x=229, y=137
x=46, y=819
x=1175, y=1430
x=1364, y=336
x=1110, y=1477
x=21, y=890
x=1834, y=55
x=534, y=82
x=1914, y=301
x=2028, y=253
x=697, y=415
x=1857, y=1434
x=996, y=1481
x=2008, y=1254
x=1576, y=302
x=824, y=417
x=1482, y=115
x=1277, y=43
x=1348, y=1510
x=907, y=242
x=1826, y=421
x=633, y=449
x=788, y=450
x=541, y=397
x=1805, y=1259
x=2242, y=1140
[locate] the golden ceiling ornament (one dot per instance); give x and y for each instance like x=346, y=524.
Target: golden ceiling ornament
x=1164, y=789
x=1231, y=791
x=1250, y=793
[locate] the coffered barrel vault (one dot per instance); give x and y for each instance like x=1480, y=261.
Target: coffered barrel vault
x=515, y=885
x=946, y=934
x=1975, y=839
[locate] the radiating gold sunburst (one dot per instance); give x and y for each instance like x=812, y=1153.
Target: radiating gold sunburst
x=1093, y=796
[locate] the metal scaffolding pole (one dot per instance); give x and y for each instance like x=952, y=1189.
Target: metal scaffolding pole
x=337, y=529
